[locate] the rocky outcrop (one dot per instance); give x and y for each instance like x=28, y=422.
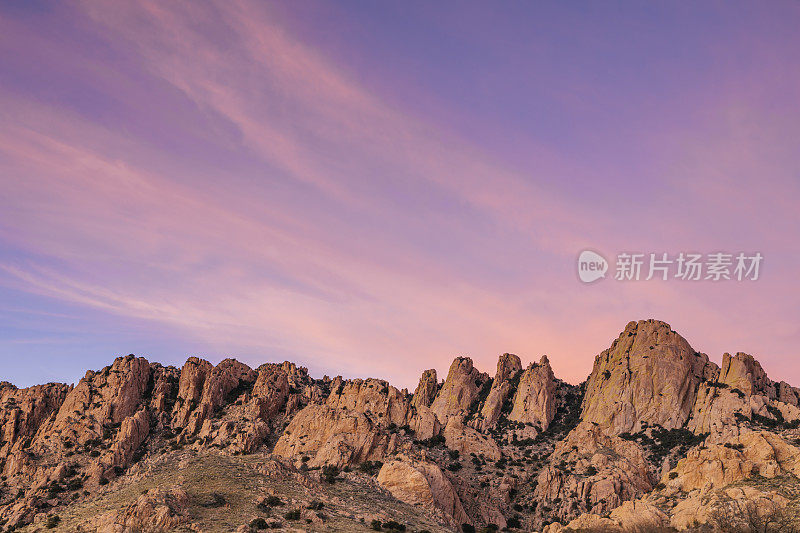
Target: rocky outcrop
x=426, y=389
x=156, y=511
x=24, y=411
x=338, y=437
x=503, y=385
x=535, y=399
x=194, y=374
x=131, y=436
x=753, y=453
x=742, y=372
x=468, y=441
x=459, y=390
x=101, y=398
x=628, y=517
x=372, y=396
x=422, y=483
x=650, y=375
x=591, y=471
x=225, y=378
x=270, y=391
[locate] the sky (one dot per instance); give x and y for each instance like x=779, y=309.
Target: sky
x=373, y=188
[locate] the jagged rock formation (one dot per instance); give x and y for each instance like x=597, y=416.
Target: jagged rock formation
x=459, y=390
x=426, y=390
x=649, y=375
x=350, y=428
x=156, y=511
x=591, y=471
x=658, y=436
x=422, y=483
x=535, y=400
x=507, y=368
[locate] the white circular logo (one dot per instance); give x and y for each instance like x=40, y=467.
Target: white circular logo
x=591, y=266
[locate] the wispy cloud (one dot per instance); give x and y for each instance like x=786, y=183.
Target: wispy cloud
x=244, y=189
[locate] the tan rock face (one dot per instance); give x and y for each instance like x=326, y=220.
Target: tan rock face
x=338, y=437
x=374, y=396
x=744, y=373
x=502, y=387
x=459, y=390
x=194, y=374
x=23, y=411
x=649, y=374
x=718, y=465
x=422, y=483
x=716, y=408
x=630, y=516
x=223, y=379
x=535, y=399
x=426, y=389
x=131, y=435
x=468, y=441
x=112, y=395
x=351, y=427
x=154, y=512
x=270, y=391
x=424, y=423
x=590, y=471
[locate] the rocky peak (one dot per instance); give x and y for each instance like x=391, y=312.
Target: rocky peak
x=744, y=373
x=535, y=398
x=459, y=390
x=374, y=396
x=503, y=385
x=223, y=379
x=508, y=364
x=649, y=374
x=426, y=389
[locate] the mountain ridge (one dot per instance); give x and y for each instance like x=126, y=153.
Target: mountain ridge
x=520, y=449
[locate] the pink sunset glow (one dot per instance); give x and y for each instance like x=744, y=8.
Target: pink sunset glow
x=375, y=191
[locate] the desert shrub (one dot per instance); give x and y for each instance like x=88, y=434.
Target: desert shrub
x=370, y=467
x=330, y=473
x=214, y=500
x=292, y=515
x=273, y=501
x=258, y=523
x=52, y=521
x=376, y=525
x=436, y=440
x=746, y=516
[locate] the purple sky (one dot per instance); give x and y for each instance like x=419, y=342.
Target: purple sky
x=372, y=188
